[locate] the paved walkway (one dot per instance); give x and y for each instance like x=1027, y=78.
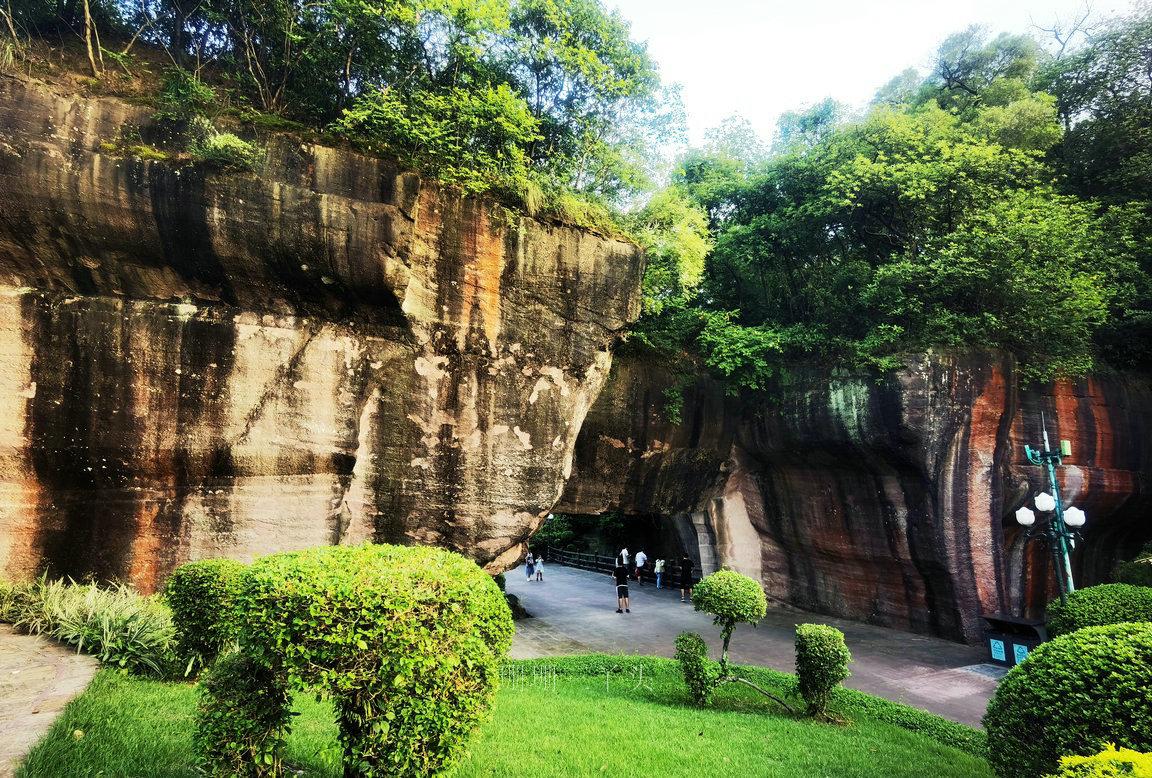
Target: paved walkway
x=37, y=679
x=574, y=611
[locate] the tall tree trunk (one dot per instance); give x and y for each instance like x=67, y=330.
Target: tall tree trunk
x=88, y=38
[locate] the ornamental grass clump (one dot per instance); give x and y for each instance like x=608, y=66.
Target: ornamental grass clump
x=202, y=596
x=1098, y=606
x=821, y=664
x=406, y=641
x=114, y=623
x=1070, y=696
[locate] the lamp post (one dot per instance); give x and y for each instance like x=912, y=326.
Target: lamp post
x=1060, y=529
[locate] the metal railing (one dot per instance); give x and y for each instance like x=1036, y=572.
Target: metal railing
x=606, y=564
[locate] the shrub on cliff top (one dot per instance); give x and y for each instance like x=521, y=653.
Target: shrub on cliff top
x=202, y=597
x=406, y=640
x=1071, y=696
x=1097, y=606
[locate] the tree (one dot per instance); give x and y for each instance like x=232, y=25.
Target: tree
x=1104, y=94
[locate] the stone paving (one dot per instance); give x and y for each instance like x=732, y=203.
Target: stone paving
x=574, y=611
x=37, y=679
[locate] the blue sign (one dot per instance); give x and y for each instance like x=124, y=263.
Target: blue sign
x=997, y=649
x=1020, y=652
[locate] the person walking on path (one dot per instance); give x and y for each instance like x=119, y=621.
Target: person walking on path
x=658, y=569
x=685, y=578
x=620, y=574
x=530, y=566
x=540, y=568
x=641, y=560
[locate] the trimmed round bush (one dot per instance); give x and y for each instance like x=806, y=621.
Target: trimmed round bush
x=699, y=674
x=1138, y=571
x=822, y=660
x=242, y=719
x=1070, y=696
x=406, y=640
x=1109, y=763
x=1098, y=606
x=731, y=598
x=202, y=596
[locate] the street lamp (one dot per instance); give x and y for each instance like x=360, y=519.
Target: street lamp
x=1060, y=530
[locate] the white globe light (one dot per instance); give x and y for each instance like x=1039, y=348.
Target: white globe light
x=1074, y=517
x=1045, y=502
x=1025, y=517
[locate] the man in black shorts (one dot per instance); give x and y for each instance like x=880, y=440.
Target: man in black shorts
x=621, y=576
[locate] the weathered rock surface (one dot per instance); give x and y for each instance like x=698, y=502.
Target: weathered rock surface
x=884, y=500
x=195, y=364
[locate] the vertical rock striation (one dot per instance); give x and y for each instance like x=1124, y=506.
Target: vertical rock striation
x=195, y=364
x=883, y=499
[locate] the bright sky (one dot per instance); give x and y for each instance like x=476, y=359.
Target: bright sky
x=759, y=58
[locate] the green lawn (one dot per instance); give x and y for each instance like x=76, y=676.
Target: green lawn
x=544, y=724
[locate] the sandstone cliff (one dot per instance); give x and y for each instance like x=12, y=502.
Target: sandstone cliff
x=884, y=500
x=195, y=364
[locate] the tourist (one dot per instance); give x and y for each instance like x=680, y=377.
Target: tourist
x=641, y=560
x=620, y=574
x=658, y=569
x=622, y=557
x=530, y=566
x=685, y=578
x=540, y=568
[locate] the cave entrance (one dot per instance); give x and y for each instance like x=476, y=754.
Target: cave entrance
x=594, y=540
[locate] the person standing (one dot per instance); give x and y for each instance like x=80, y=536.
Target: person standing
x=641, y=560
x=622, y=557
x=685, y=578
x=658, y=569
x=530, y=566
x=540, y=568
x=620, y=574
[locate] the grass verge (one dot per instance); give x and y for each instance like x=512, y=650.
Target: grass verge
x=573, y=716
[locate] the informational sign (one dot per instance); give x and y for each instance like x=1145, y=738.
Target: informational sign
x=1019, y=652
x=997, y=649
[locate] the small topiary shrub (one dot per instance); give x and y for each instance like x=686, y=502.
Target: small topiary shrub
x=731, y=598
x=406, y=640
x=1071, y=696
x=1138, y=571
x=1109, y=763
x=699, y=673
x=202, y=597
x=821, y=664
x=242, y=718
x=1098, y=606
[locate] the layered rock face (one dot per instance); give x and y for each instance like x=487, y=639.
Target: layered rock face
x=887, y=500
x=332, y=350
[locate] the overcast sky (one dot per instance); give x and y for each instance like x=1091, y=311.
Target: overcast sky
x=759, y=58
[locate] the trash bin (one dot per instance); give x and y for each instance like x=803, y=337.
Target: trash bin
x=1011, y=638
